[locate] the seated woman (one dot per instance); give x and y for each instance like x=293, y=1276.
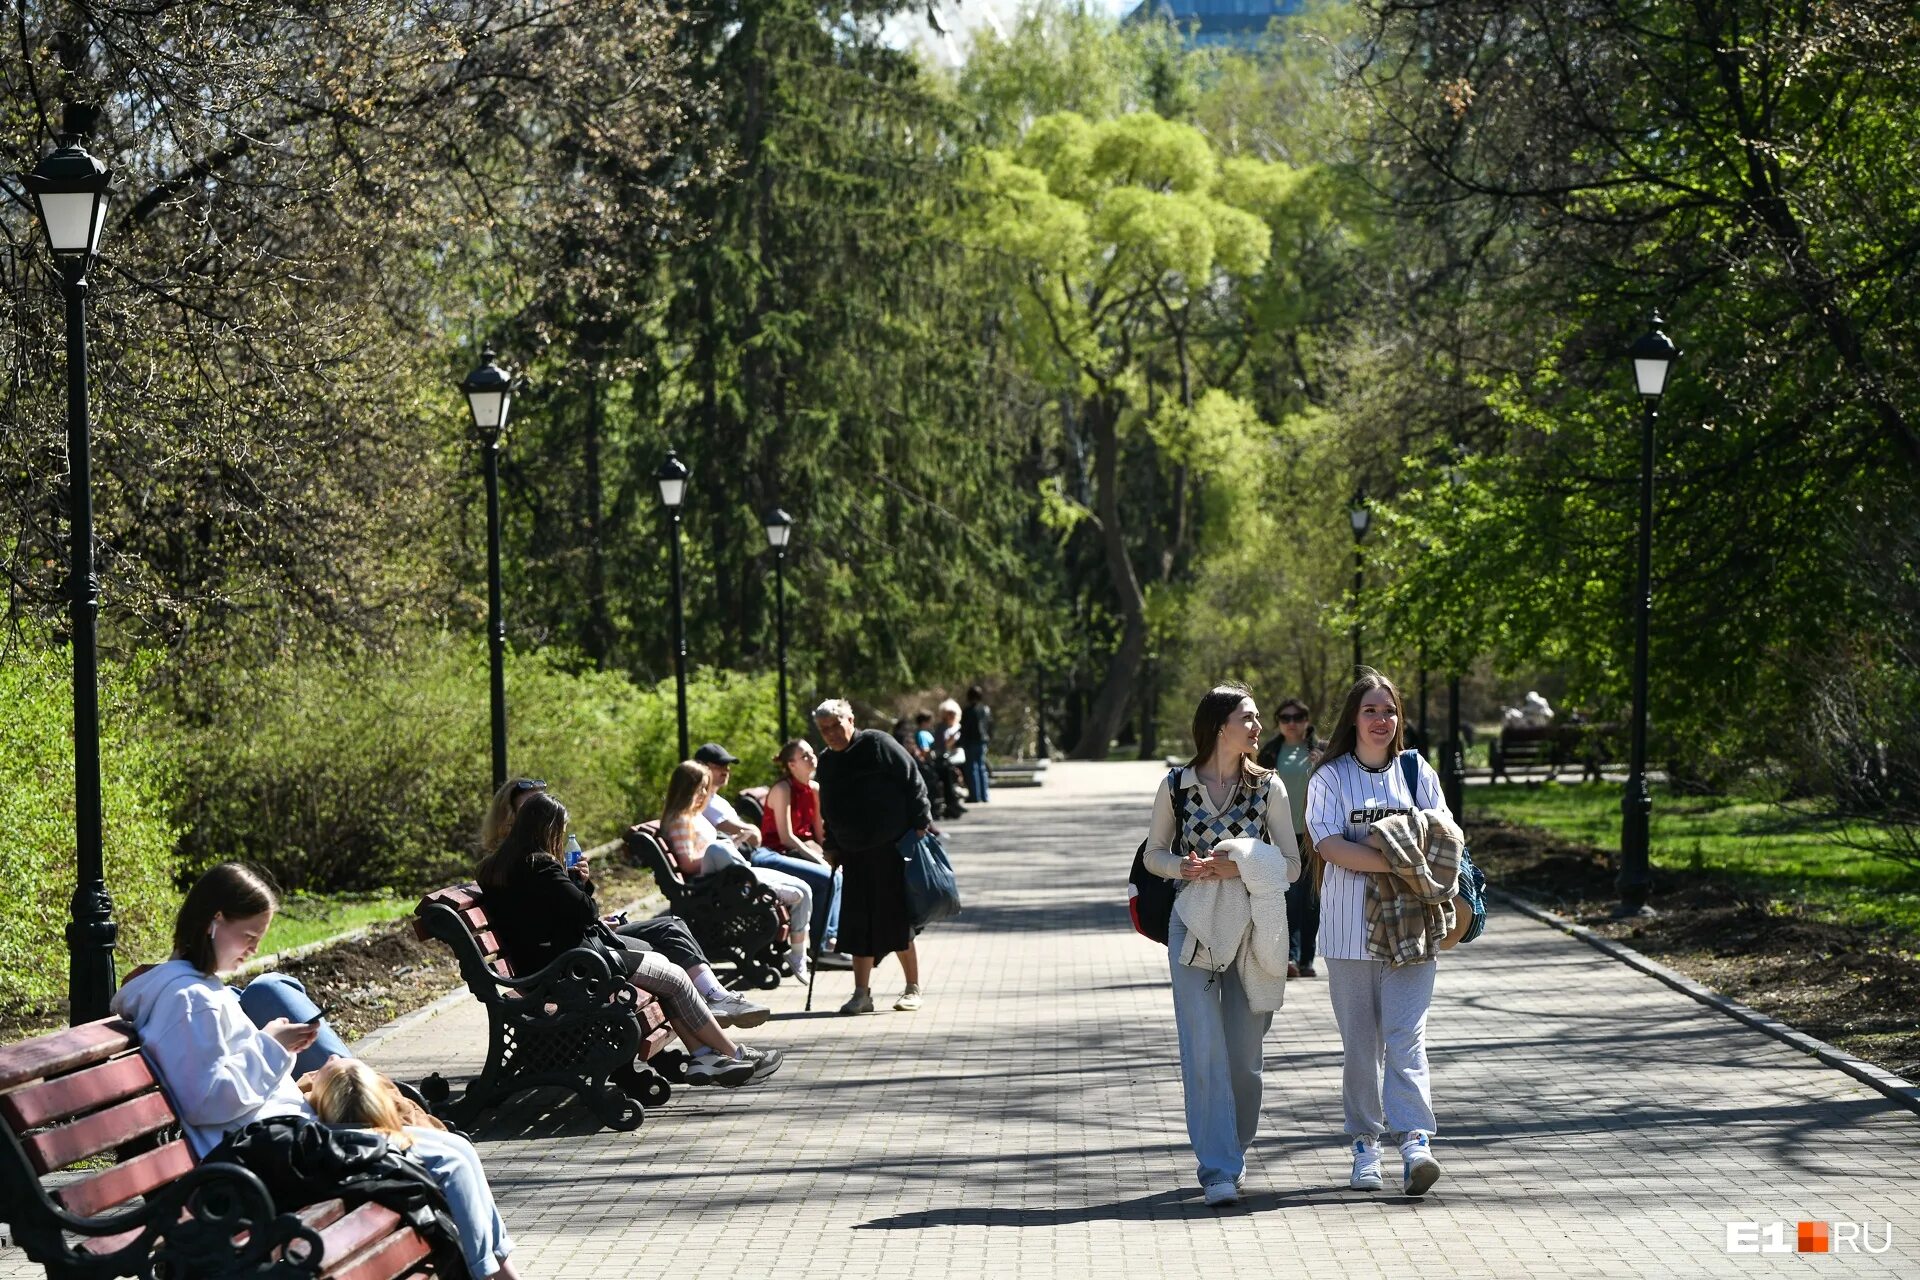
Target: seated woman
x=791, y=832
x=698, y=849
x=668, y=935
x=539, y=912
x=223, y=1072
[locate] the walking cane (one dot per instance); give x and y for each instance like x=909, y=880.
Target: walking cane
x=813, y=971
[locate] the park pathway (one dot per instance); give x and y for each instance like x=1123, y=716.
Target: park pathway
x=1027, y=1120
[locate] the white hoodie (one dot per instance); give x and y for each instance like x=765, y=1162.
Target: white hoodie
x=219, y=1069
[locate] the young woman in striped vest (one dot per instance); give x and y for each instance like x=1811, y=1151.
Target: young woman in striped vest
x=1221, y=828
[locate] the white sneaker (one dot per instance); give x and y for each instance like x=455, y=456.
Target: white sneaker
x=735, y=1010
x=1366, y=1166
x=909, y=999
x=797, y=962
x=1418, y=1169
x=1220, y=1194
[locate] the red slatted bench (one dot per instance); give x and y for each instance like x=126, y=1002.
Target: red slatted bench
x=76, y=1095
x=576, y=1023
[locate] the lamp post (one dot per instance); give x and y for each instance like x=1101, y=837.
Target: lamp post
x=672, y=476
x=1360, y=517
x=1653, y=355
x=779, y=533
x=1453, y=756
x=69, y=188
x=489, y=391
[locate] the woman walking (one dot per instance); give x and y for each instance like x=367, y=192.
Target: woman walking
x=1291, y=756
x=1380, y=1004
x=1221, y=827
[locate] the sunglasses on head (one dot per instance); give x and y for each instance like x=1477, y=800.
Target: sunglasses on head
x=528, y=784
x=1293, y=717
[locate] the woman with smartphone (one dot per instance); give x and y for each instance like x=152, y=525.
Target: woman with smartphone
x=224, y=1072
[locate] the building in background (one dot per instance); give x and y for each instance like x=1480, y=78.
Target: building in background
x=1209, y=22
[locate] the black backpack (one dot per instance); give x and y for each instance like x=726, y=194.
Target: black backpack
x=1150, y=897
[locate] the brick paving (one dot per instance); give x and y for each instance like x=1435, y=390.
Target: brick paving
x=1027, y=1120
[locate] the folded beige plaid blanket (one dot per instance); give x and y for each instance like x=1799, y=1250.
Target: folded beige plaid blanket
x=1411, y=910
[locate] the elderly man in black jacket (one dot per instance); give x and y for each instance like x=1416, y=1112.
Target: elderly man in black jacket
x=871, y=794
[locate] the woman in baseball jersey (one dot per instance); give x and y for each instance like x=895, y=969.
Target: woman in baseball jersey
x=1381, y=1009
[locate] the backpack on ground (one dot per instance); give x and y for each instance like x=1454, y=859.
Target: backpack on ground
x=1473, y=882
x=1150, y=897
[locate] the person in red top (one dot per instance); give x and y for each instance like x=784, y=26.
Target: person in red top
x=791, y=830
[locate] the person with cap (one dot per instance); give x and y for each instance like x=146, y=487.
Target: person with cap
x=871, y=794
x=816, y=874
x=720, y=811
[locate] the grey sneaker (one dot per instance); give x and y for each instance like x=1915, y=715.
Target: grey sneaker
x=735, y=1010
x=862, y=1001
x=909, y=999
x=712, y=1068
x=765, y=1062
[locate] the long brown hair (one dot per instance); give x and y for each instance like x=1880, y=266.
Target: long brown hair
x=231, y=889
x=784, y=760
x=1346, y=734
x=539, y=831
x=1210, y=717
x=683, y=788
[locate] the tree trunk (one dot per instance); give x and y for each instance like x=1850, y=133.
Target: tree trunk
x=1109, y=709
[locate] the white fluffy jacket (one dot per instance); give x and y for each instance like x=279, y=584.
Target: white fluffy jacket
x=1244, y=921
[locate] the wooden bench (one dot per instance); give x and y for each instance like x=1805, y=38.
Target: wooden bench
x=1527, y=747
x=576, y=1023
x=1017, y=773
x=737, y=921
x=73, y=1096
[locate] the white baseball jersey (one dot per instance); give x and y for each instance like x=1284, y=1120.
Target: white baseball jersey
x=1345, y=798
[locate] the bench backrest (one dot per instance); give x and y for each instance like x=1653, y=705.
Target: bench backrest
x=646, y=847
x=76, y=1094
x=753, y=803
x=458, y=917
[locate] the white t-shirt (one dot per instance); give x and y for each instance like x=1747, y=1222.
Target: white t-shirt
x=1345, y=798
x=720, y=809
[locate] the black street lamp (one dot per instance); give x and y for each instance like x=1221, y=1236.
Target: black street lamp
x=1360, y=518
x=489, y=391
x=672, y=476
x=1453, y=755
x=69, y=188
x=779, y=533
x=1653, y=355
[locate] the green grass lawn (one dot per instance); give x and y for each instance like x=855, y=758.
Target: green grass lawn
x=1787, y=857
x=305, y=918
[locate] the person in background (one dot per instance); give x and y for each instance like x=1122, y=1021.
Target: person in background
x=540, y=911
x=1291, y=755
x=976, y=727
x=947, y=757
x=698, y=849
x=790, y=824
x=666, y=934
x=224, y=1072
x=871, y=795
x=720, y=811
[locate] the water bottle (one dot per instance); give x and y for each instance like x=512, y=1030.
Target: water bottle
x=575, y=856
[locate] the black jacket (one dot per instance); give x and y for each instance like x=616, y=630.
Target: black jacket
x=871, y=794
x=540, y=913
x=303, y=1162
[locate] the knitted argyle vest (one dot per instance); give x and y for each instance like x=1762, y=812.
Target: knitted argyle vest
x=1245, y=815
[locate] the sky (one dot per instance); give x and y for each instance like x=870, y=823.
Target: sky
x=960, y=17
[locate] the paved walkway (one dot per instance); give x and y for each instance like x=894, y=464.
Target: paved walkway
x=1027, y=1120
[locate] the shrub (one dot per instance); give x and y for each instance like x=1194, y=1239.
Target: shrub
x=374, y=772
x=37, y=814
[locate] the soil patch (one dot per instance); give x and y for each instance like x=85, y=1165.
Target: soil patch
x=370, y=980
x=1855, y=988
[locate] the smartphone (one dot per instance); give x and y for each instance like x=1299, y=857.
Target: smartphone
x=324, y=1011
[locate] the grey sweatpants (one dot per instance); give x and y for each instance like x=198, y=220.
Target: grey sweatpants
x=1382, y=1014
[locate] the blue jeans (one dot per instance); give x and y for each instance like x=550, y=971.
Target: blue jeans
x=1220, y=1061
x=455, y=1165
x=818, y=878
x=832, y=934
x=976, y=771
x=275, y=995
